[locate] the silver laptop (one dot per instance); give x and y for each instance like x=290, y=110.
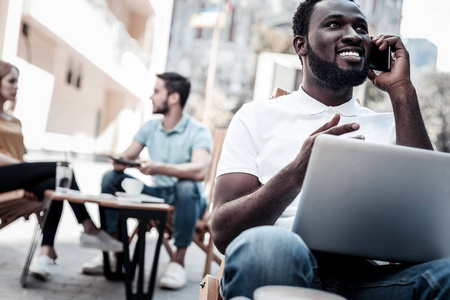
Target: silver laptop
x=382, y=202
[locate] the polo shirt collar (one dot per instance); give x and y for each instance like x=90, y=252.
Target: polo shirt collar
x=311, y=106
x=180, y=127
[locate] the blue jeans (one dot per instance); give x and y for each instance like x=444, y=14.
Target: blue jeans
x=185, y=196
x=269, y=255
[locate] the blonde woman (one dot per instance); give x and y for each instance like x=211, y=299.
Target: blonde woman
x=36, y=177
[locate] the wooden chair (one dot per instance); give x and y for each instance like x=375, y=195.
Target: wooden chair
x=18, y=204
x=278, y=91
x=202, y=237
x=210, y=285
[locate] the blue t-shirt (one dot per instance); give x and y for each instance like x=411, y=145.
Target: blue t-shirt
x=174, y=147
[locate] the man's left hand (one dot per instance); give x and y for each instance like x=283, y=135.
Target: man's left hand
x=148, y=167
x=400, y=72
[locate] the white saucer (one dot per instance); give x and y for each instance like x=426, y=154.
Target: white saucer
x=122, y=194
x=142, y=198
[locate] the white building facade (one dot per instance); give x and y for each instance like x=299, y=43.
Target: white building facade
x=87, y=68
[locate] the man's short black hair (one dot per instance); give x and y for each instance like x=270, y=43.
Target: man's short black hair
x=175, y=83
x=300, y=21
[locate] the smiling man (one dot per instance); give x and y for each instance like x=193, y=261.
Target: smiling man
x=267, y=150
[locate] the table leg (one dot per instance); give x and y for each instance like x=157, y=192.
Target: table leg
x=126, y=254
x=139, y=253
x=118, y=273
x=162, y=226
x=37, y=237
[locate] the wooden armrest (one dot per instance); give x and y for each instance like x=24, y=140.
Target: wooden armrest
x=210, y=288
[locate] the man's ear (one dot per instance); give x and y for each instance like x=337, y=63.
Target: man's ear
x=174, y=98
x=299, y=44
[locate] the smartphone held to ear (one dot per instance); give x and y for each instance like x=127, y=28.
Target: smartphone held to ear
x=380, y=60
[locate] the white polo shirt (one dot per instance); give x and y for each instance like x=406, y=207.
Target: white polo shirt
x=265, y=136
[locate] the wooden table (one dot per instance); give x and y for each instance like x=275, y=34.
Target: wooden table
x=143, y=212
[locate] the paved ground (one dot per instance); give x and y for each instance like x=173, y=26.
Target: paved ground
x=67, y=282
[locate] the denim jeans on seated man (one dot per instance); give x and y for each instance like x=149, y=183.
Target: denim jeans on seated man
x=185, y=196
x=270, y=255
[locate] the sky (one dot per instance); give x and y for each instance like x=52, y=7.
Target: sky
x=429, y=19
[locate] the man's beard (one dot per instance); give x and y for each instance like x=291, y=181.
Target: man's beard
x=330, y=75
x=164, y=107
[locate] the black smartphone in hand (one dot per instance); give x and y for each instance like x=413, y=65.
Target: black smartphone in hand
x=380, y=60
x=124, y=161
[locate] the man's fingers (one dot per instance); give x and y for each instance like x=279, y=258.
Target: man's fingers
x=346, y=128
x=333, y=122
x=332, y=128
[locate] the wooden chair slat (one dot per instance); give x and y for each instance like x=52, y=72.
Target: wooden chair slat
x=17, y=204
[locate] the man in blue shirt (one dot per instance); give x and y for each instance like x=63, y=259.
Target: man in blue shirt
x=179, y=150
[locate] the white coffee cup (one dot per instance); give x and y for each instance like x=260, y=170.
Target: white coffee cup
x=275, y=292
x=132, y=187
